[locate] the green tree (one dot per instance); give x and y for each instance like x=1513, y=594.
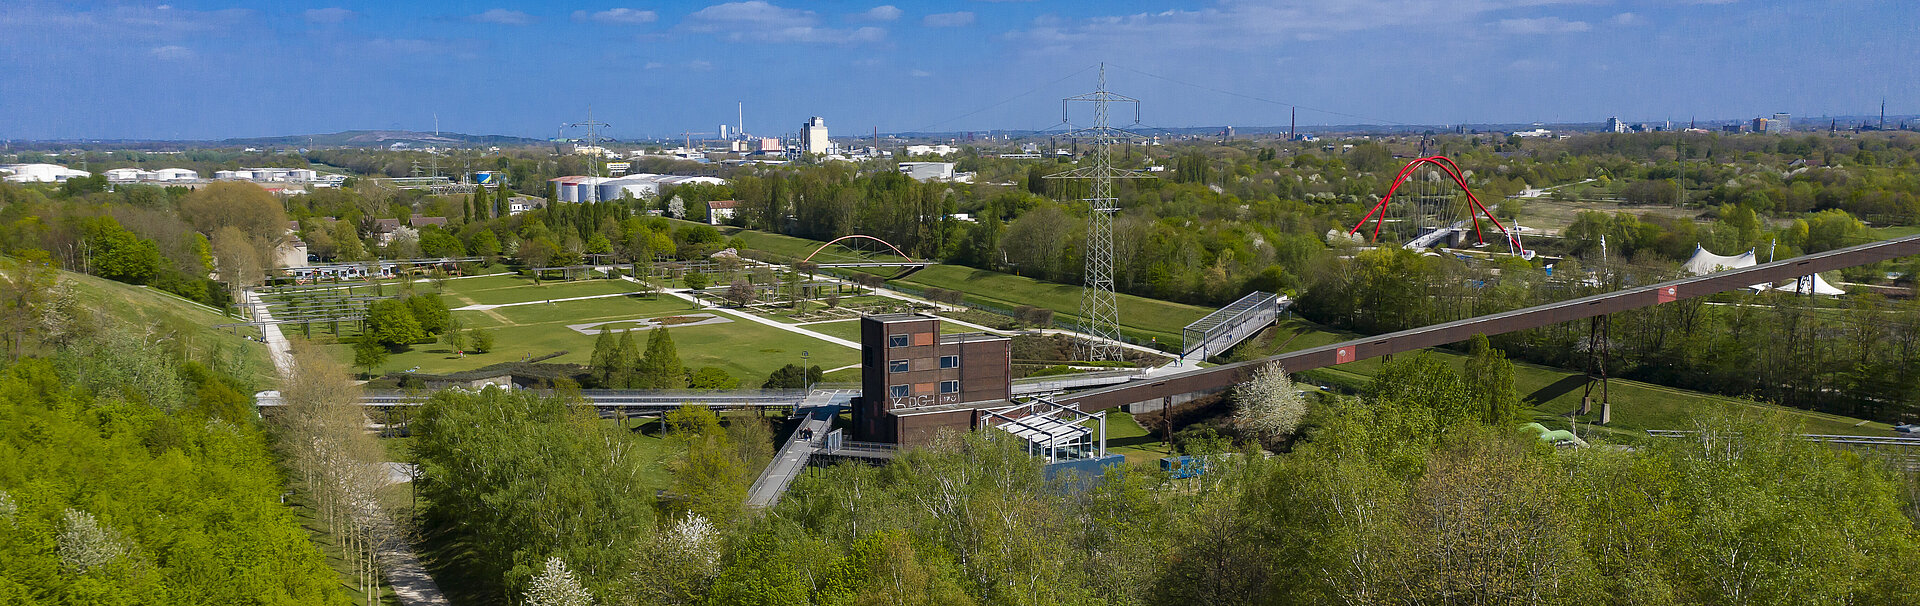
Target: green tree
x=482, y=341
x=117, y=254
x=711, y=377
x=369, y=354
x=792, y=376
x=605, y=348
x=486, y=245
x=624, y=367
x=1489, y=382
x=430, y=312
x=661, y=369
x=390, y=322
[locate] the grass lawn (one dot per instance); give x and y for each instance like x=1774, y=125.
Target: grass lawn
x=1555, y=392
x=1126, y=436
x=495, y=290
x=746, y=350
x=1140, y=317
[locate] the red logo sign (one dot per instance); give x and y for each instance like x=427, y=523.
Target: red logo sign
x=1343, y=355
x=1669, y=294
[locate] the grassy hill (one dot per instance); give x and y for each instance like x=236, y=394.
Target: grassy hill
x=190, y=323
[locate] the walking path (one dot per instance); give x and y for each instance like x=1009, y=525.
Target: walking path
x=409, y=579
x=682, y=293
x=487, y=307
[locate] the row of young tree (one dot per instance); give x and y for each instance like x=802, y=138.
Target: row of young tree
x=1422, y=490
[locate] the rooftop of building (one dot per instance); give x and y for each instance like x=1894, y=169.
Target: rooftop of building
x=900, y=317
x=971, y=337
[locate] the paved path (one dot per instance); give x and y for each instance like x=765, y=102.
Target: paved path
x=408, y=578
x=682, y=293
x=485, y=307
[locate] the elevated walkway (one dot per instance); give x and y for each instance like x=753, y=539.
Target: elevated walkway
x=1227, y=327
x=814, y=435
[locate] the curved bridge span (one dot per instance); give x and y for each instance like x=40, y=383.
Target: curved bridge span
x=1219, y=378
x=908, y=266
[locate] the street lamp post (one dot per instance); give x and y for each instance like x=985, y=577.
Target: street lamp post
x=806, y=378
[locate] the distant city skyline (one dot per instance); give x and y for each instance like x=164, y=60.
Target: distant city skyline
x=213, y=70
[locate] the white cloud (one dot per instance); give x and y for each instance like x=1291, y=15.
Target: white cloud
x=618, y=16
x=954, y=19
x=1627, y=19
x=699, y=66
x=1252, y=24
x=919, y=73
x=501, y=16
x=654, y=65
x=760, y=21
x=328, y=15
x=172, y=53
x=884, y=12
x=108, y=25
x=1543, y=25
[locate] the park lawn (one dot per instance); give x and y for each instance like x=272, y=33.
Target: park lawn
x=595, y=310
x=496, y=290
x=1140, y=317
x=192, y=322
x=1555, y=392
x=1126, y=436
x=746, y=350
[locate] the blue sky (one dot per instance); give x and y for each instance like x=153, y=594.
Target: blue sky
x=198, y=70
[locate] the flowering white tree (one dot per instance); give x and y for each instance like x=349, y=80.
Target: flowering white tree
x=696, y=540
x=677, y=208
x=84, y=544
x=1268, y=407
x=8, y=509
x=557, y=587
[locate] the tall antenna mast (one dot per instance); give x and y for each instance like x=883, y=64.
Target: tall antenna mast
x=1099, y=309
x=740, y=117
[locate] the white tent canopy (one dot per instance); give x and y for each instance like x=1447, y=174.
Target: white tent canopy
x=1815, y=283
x=1704, y=263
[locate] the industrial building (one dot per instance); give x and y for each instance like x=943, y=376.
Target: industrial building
x=813, y=136
x=270, y=175
x=40, y=173
x=916, y=382
x=642, y=186
x=164, y=175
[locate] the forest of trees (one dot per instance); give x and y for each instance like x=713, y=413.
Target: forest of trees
x=133, y=470
x=1422, y=490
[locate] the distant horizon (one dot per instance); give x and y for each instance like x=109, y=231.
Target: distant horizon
x=198, y=70
x=1893, y=120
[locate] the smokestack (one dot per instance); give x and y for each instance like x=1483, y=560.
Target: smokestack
x=1293, y=120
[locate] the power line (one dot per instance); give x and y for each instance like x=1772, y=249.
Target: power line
x=1002, y=101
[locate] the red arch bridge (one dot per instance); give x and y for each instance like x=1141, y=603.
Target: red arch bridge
x=1436, y=222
